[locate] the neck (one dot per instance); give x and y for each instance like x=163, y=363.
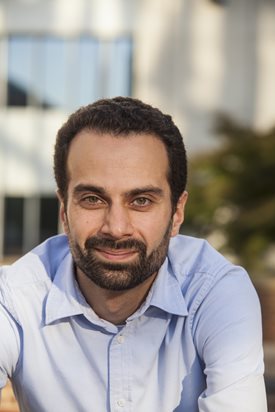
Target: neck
x=113, y=306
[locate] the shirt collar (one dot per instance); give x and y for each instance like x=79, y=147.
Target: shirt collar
x=65, y=299
x=165, y=293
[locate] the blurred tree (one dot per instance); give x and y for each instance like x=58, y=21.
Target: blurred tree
x=232, y=196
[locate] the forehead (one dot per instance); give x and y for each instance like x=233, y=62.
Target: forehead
x=135, y=157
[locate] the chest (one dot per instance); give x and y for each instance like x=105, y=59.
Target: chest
x=150, y=364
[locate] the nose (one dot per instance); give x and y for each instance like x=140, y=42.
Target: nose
x=117, y=223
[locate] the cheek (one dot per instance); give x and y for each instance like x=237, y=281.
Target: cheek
x=82, y=225
x=155, y=232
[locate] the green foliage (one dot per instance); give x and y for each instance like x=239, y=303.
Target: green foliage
x=232, y=192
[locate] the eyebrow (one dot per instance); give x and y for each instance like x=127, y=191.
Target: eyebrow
x=134, y=192
x=146, y=189
x=89, y=188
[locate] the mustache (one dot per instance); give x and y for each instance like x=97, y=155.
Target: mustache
x=99, y=242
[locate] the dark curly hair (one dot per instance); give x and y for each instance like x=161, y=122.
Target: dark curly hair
x=122, y=116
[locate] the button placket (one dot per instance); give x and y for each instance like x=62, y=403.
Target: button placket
x=121, y=403
x=120, y=372
x=121, y=338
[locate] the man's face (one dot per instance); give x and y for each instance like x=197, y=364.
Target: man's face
x=118, y=213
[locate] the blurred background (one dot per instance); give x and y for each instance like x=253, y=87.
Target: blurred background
x=211, y=64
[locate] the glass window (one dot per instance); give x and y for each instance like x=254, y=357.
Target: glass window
x=48, y=217
x=19, y=70
x=87, y=70
x=13, y=225
x=54, y=93
x=121, y=63
x=48, y=71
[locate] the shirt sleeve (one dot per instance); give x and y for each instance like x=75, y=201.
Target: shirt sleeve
x=229, y=341
x=9, y=346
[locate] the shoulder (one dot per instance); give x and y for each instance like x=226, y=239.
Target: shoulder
x=190, y=256
x=24, y=286
x=36, y=264
x=203, y=272
x=9, y=345
x=32, y=274
x=223, y=306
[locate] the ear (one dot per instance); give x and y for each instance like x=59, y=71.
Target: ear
x=178, y=216
x=62, y=211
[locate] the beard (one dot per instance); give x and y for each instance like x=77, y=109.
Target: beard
x=119, y=276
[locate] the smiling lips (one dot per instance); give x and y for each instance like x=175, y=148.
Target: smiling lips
x=116, y=255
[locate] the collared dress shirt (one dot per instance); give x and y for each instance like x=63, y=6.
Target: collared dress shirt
x=194, y=345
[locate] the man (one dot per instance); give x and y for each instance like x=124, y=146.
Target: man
x=122, y=313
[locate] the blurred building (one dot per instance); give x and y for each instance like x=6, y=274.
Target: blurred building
x=191, y=58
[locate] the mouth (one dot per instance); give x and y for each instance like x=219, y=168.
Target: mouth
x=119, y=255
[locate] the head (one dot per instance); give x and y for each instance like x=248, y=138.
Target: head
x=120, y=167
x=122, y=116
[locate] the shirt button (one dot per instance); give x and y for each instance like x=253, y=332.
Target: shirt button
x=120, y=339
x=121, y=402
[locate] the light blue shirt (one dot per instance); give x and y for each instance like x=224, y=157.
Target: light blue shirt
x=194, y=345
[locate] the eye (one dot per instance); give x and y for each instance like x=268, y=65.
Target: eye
x=92, y=200
x=141, y=202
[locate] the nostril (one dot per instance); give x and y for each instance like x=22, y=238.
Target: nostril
x=117, y=223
